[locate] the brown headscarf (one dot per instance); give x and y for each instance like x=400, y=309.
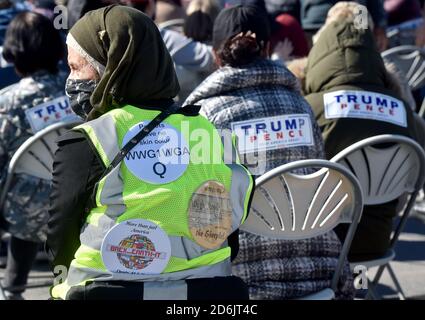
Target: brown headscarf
x=138, y=67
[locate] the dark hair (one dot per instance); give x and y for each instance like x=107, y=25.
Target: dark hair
x=5, y=4
x=199, y=26
x=240, y=50
x=32, y=44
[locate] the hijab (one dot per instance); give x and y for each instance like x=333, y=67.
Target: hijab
x=131, y=57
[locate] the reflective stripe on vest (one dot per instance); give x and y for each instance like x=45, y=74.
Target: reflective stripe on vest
x=188, y=258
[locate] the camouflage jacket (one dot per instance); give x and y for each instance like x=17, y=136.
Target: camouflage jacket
x=27, y=200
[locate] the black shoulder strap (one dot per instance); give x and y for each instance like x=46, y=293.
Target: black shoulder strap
x=139, y=137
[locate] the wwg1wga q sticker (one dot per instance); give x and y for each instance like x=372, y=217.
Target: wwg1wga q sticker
x=161, y=157
x=45, y=114
x=136, y=246
x=271, y=133
x=364, y=105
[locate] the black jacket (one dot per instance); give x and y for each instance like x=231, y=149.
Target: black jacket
x=76, y=170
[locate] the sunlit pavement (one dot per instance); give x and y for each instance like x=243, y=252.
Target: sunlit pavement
x=409, y=267
x=409, y=264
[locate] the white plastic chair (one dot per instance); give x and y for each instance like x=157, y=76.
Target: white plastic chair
x=173, y=24
x=411, y=61
x=35, y=158
x=293, y=206
x=404, y=33
x=387, y=167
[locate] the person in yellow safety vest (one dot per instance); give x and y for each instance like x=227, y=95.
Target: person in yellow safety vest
x=147, y=197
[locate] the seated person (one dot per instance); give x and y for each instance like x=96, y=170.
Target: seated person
x=248, y=89
x=345, y=69
x=35, y=48
x=148, y=232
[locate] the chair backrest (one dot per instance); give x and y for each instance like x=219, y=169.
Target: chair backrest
x=387, y=166
x=35, y=156
x=411, y=61
x=289, y=205
x=404, y=33
x=174, y=24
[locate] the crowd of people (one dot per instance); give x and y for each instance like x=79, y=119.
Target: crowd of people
x=227, y=61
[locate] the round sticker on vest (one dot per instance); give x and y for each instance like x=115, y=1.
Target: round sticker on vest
x=136, y=246
x=161, y=157
x=210, y=215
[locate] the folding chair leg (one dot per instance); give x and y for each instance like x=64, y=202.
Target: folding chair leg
x=2, y=294
x=379, y=274
x=422, y=109
x=371, y=293
x=400, y=292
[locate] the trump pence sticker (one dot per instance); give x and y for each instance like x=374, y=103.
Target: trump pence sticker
x=265, y=134
x=136, y=246
x=161, y=157
x=50, y=112
x=364, y=105
x=210, y=215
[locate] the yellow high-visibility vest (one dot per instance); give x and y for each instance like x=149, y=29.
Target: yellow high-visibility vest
x=166, y=211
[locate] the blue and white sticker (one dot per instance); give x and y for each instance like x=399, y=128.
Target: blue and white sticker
x=161, y=157
x=364, y=105
x=136, y=246
x=53, y=111
x=272, y=133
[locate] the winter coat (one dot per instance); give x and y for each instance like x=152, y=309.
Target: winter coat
x=344, y=61
x=260, y=90
x=27, y=202
x=273, y=269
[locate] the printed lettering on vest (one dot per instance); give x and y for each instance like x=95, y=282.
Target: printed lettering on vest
x=273, y=133
x=364, y=105
x=161, y=157
x=136, y=246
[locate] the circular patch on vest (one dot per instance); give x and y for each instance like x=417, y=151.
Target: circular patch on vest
x=136, y=246
x=210, y=215
x=161, y=157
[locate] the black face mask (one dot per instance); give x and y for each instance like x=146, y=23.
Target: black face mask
x=79, y=93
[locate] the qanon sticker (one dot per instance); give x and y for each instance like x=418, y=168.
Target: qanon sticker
x=161, y=157
x=136, y=246
x=210, y=215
